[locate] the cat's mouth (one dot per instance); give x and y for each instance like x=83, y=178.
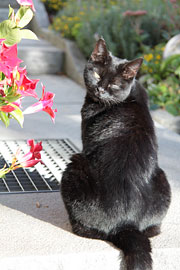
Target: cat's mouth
x=101, y=93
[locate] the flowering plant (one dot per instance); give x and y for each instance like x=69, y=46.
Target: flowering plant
x=28, y=160
x=161, y=78
x=14, y=83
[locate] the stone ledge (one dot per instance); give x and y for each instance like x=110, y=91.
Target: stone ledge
x=74, y=60
x=167, y=120
x=40, y=57
x=6, y=3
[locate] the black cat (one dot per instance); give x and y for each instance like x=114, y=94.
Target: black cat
x=114, y=190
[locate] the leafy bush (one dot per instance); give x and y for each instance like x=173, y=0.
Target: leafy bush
x=126, y=25
x=131, y=28
x=53, y=6
x=162, y=80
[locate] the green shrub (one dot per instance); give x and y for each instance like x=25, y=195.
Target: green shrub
x=53, y=6
x=162, y=80
x=125, y=33
x=131, y=28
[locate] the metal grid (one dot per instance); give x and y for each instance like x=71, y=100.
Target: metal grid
x=41, y=178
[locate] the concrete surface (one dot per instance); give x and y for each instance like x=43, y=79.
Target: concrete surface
x=4, y=13
x=40, y=238
x=12, y=3
x=41, y=14
x=40, y=57
x=167, y=120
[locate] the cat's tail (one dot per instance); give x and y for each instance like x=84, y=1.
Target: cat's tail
x=136, y=247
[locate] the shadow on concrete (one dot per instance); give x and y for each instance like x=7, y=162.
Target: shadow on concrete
x=47, y=207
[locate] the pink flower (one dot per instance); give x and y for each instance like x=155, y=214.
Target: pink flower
x=9, y=108
x=9, y=55
x=30, y=159
x=135, y=13
x=8, y=59
x=44, y=104
x=35, y=149
x=26, y=3
x=26, y=86
x=2, y=94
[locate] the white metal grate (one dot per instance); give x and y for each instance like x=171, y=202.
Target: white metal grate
x=41, y=178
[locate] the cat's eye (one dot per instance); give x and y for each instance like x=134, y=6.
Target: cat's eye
x=96, y=75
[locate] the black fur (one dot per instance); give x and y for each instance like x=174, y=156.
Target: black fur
x=114, y=190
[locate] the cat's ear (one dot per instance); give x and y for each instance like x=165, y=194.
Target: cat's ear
x=131, y=68
x=100, y=52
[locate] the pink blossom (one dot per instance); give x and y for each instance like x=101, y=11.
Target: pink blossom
x=135, y=13
x=31, y=158
x=9, y=108
x=44, y=104
x=26, y=86
x=2, y=94
x=9, y=55
x=26, y=3
x=8, y=59
x=35, y=149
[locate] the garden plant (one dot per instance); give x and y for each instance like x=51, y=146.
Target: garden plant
x=131, y=28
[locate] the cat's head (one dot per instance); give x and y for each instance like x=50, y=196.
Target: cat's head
x=109, y=79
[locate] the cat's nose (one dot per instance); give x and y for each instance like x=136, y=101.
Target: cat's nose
x=101, y=90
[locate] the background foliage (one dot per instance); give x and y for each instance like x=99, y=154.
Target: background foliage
x=131, y=28
x=124, y=34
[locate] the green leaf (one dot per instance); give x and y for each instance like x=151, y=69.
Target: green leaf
x=13, y=37
x=6, y=27
x=11, y=98
x=4, y=118
x=171, y=109
x=9, y=31
x=154, y=106
x=177, y=71
x=165, y=64
x=25, y=15
x=28, y=34
x=11, y=11
x=2, y=76
x=17, y=114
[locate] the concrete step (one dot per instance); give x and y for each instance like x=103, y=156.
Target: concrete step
x=4, y=13
x=6, y=3
x=40, y=57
